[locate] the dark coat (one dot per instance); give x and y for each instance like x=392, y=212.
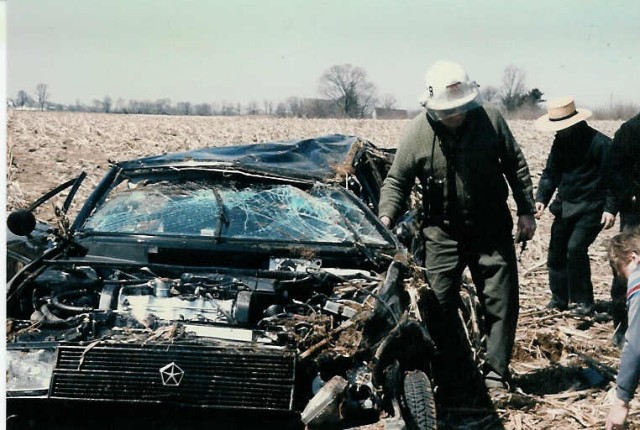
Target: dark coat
x=578, y=167
x=625, y=163
x=464, y=175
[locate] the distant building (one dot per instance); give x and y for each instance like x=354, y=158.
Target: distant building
x=382, y=113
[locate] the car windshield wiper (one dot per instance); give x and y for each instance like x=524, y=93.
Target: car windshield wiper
x=222, y=218
x=357, y=240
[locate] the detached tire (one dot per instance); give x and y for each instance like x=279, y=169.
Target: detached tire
x=419, y=404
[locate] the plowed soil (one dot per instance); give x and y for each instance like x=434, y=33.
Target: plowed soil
x=562, y=363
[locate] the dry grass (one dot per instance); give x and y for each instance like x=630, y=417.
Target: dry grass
x=46, y=148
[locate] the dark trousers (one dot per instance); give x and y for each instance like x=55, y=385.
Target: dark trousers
x=492, y=263
x=568, y=258
x=618, y=309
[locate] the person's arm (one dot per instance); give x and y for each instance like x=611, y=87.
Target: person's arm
x=550, y=178
x=617, y=415
x=629, y=373
x=547, y=184
x=400, y=179
x=516, y=170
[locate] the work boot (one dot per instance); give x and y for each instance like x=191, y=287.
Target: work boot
x=497, y=388
x=583, y=309
x=554, y=303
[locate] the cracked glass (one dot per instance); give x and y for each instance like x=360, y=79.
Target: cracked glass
x=323, y=213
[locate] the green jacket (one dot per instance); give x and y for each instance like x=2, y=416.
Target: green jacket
x=467, y=186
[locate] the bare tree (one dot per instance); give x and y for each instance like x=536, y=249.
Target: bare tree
x=489, y=93
x=252, y=108
x=348, y=87
x=23, y=99
x=106, y=104
x=227, y=109
x=120, y=105
x=163, y=106
x=318, y=108
x=294, y=106
x=78, y=107
x=103, y=105
x=202, y=109
x=281, y=110
x=388, y=101
x=268, y=107
x=42, y=94
x=184, y=108
x=132, y=107
x=513, y=87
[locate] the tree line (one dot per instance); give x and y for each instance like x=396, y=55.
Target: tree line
x=344, y=92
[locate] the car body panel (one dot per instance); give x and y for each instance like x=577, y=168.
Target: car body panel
x=234, y=278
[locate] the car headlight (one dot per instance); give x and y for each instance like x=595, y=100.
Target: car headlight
x=29, y=371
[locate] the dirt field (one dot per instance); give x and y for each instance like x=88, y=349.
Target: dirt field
x=555, y=353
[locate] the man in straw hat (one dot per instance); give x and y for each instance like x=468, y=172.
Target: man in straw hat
x=578, y=168
x=461, y=152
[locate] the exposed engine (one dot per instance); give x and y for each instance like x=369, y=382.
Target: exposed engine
x=294, y=302
x=297, y=310
x=202, y=298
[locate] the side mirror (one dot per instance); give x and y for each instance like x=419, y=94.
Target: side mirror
x=21, y=222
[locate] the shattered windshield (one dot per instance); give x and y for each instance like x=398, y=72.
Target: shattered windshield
x=230, y=210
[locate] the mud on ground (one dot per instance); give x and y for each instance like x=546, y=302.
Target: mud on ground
x=562, y=363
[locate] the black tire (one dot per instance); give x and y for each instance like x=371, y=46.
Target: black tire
x=418, y=401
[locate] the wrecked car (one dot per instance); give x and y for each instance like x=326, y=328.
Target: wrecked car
x=226, y=283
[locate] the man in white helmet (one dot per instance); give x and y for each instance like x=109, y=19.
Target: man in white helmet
x=461, y=152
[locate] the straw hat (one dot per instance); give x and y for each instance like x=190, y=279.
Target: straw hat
x=561, y=114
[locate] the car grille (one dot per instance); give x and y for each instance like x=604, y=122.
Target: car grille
x=214, y=377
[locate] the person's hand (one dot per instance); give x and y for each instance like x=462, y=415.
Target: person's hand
x=608, y=219
x=526, y=228
x=617, y=415
x=539, y=209
x=386, y=220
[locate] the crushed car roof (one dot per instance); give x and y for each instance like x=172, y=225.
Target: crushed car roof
x=309, y=158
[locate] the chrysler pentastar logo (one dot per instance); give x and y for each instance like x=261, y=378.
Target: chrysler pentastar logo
x=171, y=375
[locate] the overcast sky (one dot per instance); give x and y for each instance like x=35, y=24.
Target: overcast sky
x=243, y=50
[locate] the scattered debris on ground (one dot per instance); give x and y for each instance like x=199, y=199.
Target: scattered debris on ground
x=564, y=365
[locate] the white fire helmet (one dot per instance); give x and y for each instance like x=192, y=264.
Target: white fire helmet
x=449, y=91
